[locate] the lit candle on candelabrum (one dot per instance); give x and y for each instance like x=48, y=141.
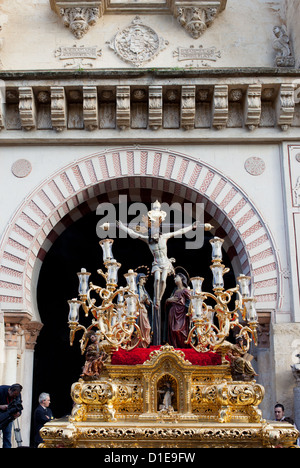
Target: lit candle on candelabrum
x=131, y=305
x=244, y=283
x=112, y=271
x=83, y=282
x=216, y=244
x=74, y=306
x=251, y=310
x=131, y=280
x=197, y=306
x=106, y=245
x=218, y=271
x=197, y=284
x=120, y=300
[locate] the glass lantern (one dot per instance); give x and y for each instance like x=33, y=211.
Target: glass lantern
x=251, y=314
x=83, y=282
x=217, y=271
x=131, y=280
x=216, y=244
x=197, y=307
x=74, y=306
x=112, y=271
x=244, y=283
x=131, y=305
x=197, y=284
x=106, y=245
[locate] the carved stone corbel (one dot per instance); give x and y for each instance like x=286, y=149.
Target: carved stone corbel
x=58, y=108
x=253, y=106
x=90, y=107
x=285, y=106
x=78, y=15
x=123, y=107
x=155, y=107
x=27, y=108
x=195, y=17
x=188, y=107
x=220, y=106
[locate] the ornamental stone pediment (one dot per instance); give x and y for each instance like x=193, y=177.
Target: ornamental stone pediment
x=195, y=16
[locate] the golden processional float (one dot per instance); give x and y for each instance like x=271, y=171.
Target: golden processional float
x=204, y=395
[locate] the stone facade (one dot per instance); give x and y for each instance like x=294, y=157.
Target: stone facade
x=188, y=100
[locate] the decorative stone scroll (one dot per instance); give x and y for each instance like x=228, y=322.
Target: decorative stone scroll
x=78, y=57
x=194, y=16
x=190, y=53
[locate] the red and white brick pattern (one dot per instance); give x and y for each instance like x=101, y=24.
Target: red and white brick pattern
x=76, y=189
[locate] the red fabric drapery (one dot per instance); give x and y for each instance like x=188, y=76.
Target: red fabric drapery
x=140, y=355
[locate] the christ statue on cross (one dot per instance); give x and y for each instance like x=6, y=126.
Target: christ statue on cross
x=162, y=266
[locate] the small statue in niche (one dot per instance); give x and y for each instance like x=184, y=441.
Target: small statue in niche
x=94, y=359
x=241, y=367
x=166, y=394
x=281, y=45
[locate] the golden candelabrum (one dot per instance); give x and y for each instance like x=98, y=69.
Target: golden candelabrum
x=115, y=319
x=166, y=401
x=211, y=325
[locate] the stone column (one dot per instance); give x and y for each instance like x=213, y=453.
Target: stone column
x=31, y=330
x=20, y=340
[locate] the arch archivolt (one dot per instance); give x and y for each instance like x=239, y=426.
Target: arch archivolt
x=79, y=187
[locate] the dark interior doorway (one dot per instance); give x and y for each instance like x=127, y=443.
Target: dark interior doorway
x=56, y=364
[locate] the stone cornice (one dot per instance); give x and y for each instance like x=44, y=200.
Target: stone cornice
x=161, y=100
x=130, y=73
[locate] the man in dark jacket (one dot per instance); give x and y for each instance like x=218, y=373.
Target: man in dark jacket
x=10, y=409
x=42, y=415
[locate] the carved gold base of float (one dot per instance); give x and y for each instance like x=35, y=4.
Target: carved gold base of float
x=123, y=408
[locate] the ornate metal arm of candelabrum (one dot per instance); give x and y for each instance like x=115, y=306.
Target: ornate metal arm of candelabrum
x=115, y=319
x=211, y=325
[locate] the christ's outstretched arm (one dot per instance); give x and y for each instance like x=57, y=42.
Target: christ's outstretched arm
x=131, y=232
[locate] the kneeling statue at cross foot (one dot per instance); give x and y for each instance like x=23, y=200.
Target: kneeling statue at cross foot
x=95, y=359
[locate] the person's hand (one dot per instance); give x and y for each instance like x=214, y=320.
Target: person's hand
x=172, y=299
x=3, y=407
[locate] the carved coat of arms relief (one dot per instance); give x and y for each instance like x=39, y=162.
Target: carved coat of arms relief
x=137, y=44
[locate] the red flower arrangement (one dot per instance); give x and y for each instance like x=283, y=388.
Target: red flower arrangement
x=140, y=355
